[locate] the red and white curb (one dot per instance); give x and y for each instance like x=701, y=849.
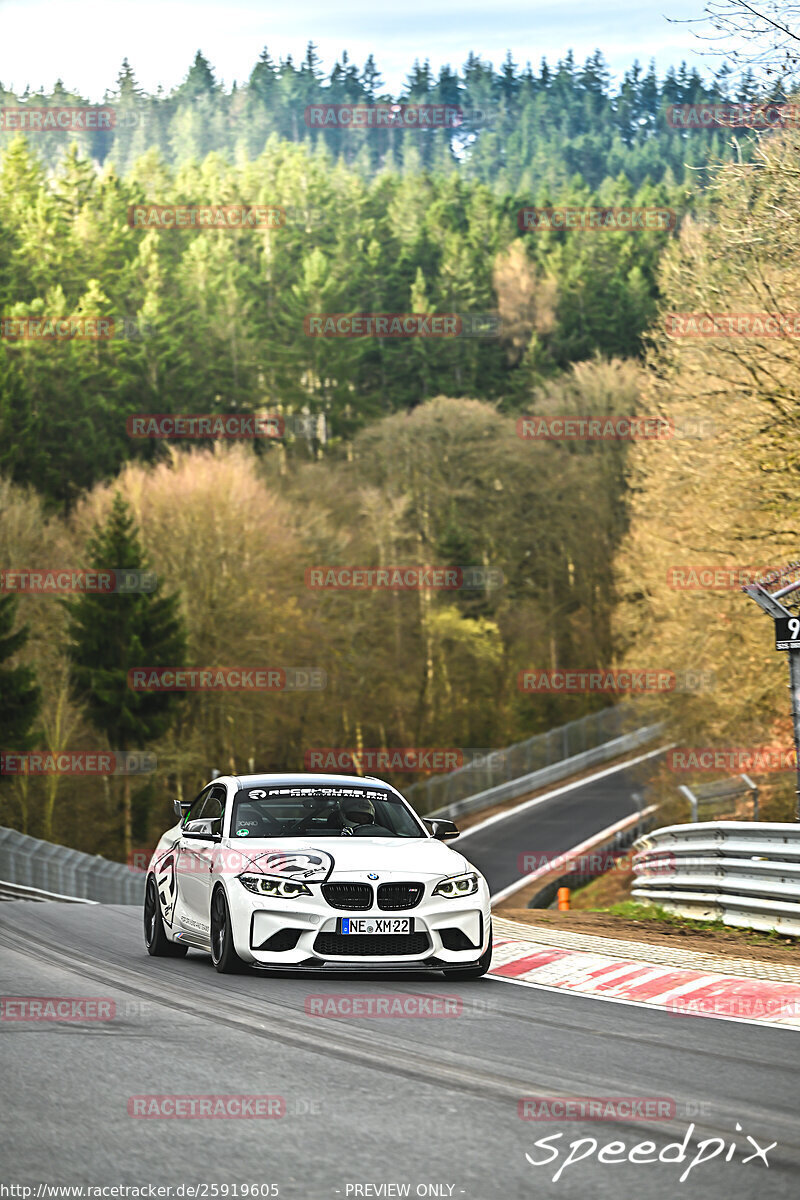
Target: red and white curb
x=677, y=990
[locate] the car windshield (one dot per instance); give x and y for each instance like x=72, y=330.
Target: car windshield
x=318, y=811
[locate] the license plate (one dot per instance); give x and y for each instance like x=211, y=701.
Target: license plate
x=377, y=925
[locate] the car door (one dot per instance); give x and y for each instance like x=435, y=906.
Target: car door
x=168, y=870
x=202, y=830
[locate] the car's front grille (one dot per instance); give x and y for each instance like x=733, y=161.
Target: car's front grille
x=284, y=939
x=399, y=895
x=348, y=895
x=358, y=945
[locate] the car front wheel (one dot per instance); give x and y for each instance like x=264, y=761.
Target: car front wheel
x=155, y=937
x=223, y=954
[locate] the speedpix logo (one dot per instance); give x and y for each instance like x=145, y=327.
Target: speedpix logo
x=616, y=1152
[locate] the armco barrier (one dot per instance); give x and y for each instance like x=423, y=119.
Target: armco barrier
x=547, y=775
x=744, y=873
x=575, y=867
x=15, y=891
x=45, y=867
x=542, y=750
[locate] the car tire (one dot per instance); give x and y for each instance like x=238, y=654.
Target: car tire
x=484, y=962
x=223, y=953
x=155, y=936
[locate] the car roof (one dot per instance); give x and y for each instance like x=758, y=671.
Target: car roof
x=307, y=778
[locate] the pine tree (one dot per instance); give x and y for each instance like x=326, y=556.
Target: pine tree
x=199, y=82
x=19, y=695
x=110, y=634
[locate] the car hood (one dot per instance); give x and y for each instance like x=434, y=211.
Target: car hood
x=352, y=857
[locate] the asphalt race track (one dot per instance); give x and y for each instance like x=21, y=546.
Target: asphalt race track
x=374, y=1105
x=552, y=826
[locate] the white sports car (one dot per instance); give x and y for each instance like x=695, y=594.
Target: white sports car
x=312, y=872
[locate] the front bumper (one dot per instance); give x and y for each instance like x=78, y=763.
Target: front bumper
x=311, y=926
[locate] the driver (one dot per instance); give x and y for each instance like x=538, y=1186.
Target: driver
x=355, y=811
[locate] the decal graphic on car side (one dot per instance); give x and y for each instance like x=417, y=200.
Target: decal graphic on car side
x=165, y=871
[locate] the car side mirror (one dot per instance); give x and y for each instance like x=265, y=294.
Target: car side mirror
x=443, y=831
x=181, y=808
x=207, y=828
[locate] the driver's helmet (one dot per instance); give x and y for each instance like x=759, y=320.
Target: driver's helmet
x=357, y=810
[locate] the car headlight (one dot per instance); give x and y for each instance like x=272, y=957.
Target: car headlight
x=457, y=885
x=276, y=886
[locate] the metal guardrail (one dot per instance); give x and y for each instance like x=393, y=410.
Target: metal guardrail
x=47, y=867
x=15, y=891
x=720, y=793
x=56, y=872
x=744, y=873
x=591, y=859
x=546, y=775
x=523, y=758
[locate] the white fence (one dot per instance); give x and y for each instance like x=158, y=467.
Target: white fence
x=743, y=872
x=496, y=767
x=29, y=865
x=523, y=784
